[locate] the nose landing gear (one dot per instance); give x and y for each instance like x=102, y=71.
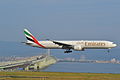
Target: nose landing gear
x=108, y=50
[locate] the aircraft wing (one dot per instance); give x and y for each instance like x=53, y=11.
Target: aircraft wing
x=66, y=46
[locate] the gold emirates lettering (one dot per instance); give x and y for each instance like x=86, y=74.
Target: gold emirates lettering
x=94, y=44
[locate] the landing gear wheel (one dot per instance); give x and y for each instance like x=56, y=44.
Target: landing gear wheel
x=108, y=51
x=67, y=51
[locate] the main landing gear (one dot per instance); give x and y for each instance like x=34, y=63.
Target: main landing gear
x=67, y=51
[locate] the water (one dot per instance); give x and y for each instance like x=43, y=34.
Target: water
x=84, y=67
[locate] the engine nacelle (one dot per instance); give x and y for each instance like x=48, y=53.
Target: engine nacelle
x=78, y=48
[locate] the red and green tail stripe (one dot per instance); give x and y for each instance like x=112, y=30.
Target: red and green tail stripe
x=30, y=37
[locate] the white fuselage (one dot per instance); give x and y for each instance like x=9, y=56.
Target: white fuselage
x=84, y=44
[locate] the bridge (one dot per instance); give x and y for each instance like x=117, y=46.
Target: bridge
x=31, y=63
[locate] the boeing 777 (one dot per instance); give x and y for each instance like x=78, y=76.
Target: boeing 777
x=80, y=45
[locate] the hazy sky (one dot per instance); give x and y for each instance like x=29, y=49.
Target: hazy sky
x=60, y=19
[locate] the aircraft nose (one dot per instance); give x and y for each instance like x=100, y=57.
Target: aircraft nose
x=114, y=45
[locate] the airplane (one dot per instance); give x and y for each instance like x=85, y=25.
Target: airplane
x=80, y=45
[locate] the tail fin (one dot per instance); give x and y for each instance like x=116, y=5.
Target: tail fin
x=30, y=37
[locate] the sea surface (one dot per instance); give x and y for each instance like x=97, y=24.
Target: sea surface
x=84, y=67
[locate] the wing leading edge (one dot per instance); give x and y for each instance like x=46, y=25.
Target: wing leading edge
x=64, y=46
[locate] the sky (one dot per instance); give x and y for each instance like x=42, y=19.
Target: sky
x=60, y=19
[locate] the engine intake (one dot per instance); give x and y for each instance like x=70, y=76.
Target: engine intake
x=78, y=48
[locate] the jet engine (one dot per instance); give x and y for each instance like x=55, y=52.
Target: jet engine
x=78, y=48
